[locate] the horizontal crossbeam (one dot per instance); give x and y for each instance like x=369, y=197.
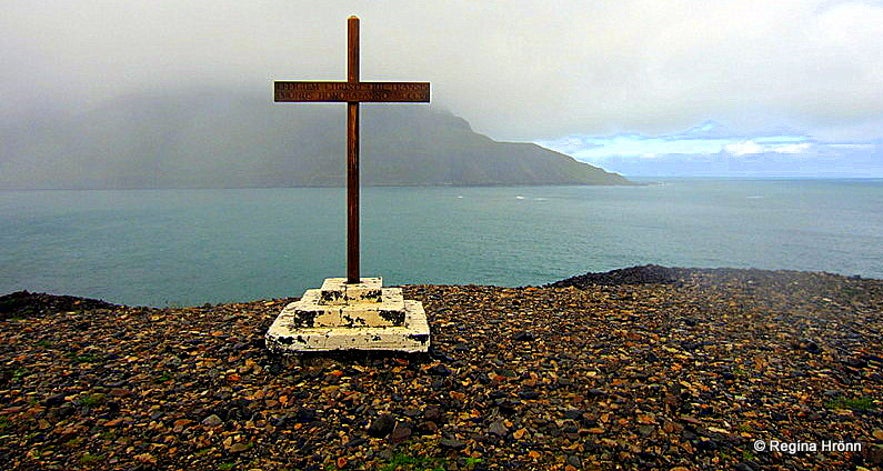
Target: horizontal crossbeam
x=352, y=92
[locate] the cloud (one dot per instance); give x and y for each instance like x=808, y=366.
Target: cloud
x=525, y=70
x=713, y=150
x=753, y=147
x=709, y=138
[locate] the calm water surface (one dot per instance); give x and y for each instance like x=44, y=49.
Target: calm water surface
x=185, y=247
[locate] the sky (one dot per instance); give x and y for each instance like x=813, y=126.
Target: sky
x=675, y=87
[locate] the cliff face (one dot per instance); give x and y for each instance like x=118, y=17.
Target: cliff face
x=183, y=140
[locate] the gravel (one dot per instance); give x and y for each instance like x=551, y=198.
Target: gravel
x=642, y=368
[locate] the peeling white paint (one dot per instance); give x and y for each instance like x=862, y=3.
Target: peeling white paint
x=341, y=316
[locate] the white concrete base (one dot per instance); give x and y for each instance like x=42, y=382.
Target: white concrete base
x=341, y=316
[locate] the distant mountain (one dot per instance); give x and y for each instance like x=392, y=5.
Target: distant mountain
x=228, y=140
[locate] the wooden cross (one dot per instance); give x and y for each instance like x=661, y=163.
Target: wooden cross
x=353, y=92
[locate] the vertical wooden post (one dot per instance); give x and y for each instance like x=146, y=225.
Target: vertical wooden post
x=352, y=168
x=353, y=91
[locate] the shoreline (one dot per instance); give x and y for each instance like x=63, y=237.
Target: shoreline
x=638, y=274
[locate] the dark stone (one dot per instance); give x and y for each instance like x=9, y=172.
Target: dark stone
x=497, y=395
x=451, y=444
x=400, y=434
x=528, y=395
x=440, y=370
x=356, y=442
x=811, y=347
x=432, y=413
x=743, y=467
x=305, y=415
x=382, y=426
x=54, y=400
x=874, y=455
x=283, y=420
x=275, y=368
x=574, y=461
x=507, y=406
x=497, y=428
x=523, y=336
x=237, y=409
x=707, y=445
x=574, y=414
x=113, y=407
x=65, y=411
x=778, y=416
x=427, y=428
x=434, y=352
x=212, y=421
x=331, y=379
x=507, y=373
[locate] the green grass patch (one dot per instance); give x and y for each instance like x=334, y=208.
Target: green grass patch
x=91, y=400
x=165, y=376
x=19, y=374
x=471, y=462
x=74, y=442
x=402, y=462
x=89, y=458
x=84, y=358
x=862, y=403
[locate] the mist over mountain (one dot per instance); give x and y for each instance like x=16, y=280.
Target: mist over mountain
x=220, y=139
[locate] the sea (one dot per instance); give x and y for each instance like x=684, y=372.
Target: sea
x=192, y=247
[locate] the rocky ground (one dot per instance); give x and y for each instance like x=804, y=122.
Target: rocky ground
x=643, y=368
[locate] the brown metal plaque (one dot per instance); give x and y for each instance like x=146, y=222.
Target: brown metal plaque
x=352, y=91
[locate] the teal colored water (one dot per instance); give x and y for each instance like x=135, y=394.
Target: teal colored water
x=187, y=247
